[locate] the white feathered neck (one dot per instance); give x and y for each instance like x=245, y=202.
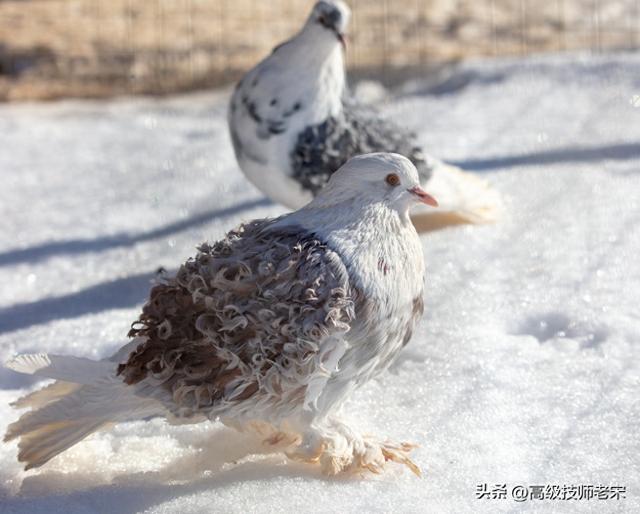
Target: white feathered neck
x=311, y=65
x=378, y=244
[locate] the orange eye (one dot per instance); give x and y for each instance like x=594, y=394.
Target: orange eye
x=392, y=179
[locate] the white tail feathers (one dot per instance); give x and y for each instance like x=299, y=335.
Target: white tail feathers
x=45, y=395
x=39, y=446
x=77, y=370
x=463, y=198
x=88, y=397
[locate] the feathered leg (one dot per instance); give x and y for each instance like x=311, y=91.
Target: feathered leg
x=338, y=448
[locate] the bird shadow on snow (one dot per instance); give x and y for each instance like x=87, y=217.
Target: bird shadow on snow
x=79, y=246
x=120, y=293
x=217, y=460
x=619, y=152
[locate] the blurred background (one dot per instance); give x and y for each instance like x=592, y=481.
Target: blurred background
x=526, y=366
x=96, y=48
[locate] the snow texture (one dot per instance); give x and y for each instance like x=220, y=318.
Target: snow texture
x=524, y=370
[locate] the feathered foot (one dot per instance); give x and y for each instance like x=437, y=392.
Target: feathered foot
x=399, y=452
x=337, y=448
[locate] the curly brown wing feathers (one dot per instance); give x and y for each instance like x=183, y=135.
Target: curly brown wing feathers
x=247, y=315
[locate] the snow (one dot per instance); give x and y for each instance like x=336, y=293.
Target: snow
x=525, y=369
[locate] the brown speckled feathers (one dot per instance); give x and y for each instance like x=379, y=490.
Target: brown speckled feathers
x=245, y=318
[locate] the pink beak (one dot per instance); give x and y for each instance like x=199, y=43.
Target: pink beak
x=423, y=196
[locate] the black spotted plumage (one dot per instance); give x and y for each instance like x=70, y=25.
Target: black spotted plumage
x=321, y=149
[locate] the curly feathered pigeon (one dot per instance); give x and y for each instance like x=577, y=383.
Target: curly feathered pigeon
x=269, y=329
x=293, y=123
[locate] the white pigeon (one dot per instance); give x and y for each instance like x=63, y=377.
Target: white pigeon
x=267, y=330
x=293, y=123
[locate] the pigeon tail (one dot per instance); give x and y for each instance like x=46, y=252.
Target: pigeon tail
x=86, y=397
x=463, y=198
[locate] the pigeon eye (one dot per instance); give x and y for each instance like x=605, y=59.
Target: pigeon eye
x=392, y=179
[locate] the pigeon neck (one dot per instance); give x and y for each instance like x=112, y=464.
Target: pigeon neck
x=351, y=219
x=375, y=242
x=312, y=50
x=378, y=245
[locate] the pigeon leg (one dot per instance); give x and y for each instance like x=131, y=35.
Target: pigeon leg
x=338, y=448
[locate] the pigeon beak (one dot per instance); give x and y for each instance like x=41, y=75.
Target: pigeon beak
x=423, y=196
x=343, y=39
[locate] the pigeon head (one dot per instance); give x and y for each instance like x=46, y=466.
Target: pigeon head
x=386, y=178
x=329, y=18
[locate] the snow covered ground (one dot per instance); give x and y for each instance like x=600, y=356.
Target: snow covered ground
x=525, y=369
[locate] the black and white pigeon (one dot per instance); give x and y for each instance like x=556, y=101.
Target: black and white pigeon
x=268, y=330
x=293, y=123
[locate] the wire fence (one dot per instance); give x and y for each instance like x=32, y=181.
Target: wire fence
x=54, y=48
